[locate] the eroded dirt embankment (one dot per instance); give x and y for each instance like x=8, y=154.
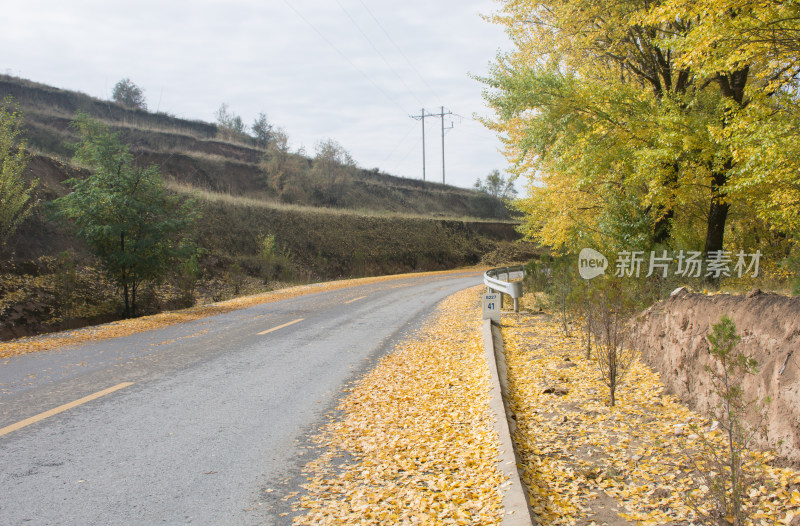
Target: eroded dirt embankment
x=672, y=338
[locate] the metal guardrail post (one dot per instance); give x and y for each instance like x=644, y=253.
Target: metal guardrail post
x=517, y=289
x=512, y=288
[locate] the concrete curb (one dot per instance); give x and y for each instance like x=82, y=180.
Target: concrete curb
x=515, y=501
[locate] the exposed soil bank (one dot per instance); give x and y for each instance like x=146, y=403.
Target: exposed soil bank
x=672, y=338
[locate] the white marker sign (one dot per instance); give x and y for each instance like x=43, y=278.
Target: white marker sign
x=491, y=306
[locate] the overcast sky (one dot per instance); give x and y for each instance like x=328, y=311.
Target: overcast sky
x=350, y=70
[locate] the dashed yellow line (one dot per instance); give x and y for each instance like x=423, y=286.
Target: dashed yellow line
x=354, y=299
x=62, y=408
x=262, y=333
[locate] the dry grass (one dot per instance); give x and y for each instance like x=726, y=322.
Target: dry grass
x=232, y=162
x=243, y=201
x=208, y=157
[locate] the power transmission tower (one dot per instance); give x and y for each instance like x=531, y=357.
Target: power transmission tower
x=421, y=117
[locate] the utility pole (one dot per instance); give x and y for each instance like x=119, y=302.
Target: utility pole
x=421, y=117
x=442, y=114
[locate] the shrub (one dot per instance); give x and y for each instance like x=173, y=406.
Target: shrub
x=611, y=306
x=15, y=195
x=726, y=468
x=129, y=94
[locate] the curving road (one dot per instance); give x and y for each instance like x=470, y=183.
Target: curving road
x=192, y=423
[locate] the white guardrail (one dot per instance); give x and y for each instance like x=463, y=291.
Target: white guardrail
x=491, y=278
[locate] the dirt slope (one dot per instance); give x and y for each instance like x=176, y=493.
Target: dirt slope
x=672, y=338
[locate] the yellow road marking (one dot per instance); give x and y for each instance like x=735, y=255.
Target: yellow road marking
x=62, y=408
x=355, y=299
x=262, y=333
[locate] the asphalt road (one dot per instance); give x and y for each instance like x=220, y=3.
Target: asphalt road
x=191, y=423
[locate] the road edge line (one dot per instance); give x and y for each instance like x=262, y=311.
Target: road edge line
x=516, y=511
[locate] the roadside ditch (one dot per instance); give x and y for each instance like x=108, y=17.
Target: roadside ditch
x=584, y=463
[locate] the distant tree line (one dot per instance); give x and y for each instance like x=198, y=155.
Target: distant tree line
x=231, y=125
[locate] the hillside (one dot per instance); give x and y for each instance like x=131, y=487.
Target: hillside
x=198, y=154
x=359, y=223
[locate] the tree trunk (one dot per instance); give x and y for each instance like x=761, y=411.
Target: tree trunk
x=612, y=391
x=588, y=336
x=732, y=86
x=125, y=290
x=662, y=230
x=663, y=227
x=127, y=300
x=133, y=299
x=717, y=212
x=612, y=371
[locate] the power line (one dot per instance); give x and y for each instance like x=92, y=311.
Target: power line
x=345, y=57
x=398, y=164
x=375, y=48
x=399, y=143
x=408, y=61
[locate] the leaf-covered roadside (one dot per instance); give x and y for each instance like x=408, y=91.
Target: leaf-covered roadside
x=118, y=329
x=586, y=463
x=415, y=443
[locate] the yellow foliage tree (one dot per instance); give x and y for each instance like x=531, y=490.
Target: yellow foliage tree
x=763, y=40
x=635, y=121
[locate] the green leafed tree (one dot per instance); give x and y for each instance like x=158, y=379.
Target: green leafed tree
x=262, y=130
x=16, y=200
x=284, y=170
x=332, y=172
x=497, y=186
x=124, y=214
x=129, y=94
x=728, y=469
x=230, y=124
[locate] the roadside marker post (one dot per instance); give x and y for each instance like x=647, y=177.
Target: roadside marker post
x=491, y=306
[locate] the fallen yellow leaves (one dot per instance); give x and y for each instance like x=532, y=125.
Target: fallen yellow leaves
x=415, y=444
x=123, y=328
x=577, y=452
